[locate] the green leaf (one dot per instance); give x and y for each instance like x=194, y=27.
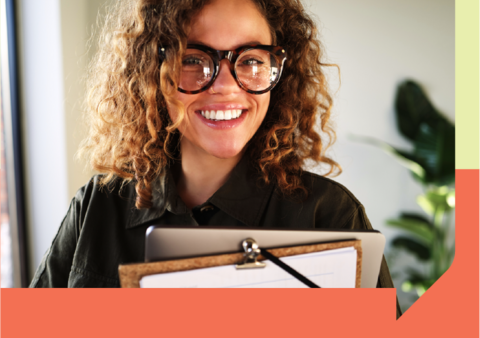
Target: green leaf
x=437, y=199
x=451, y=199
x=435, y=150
x=417, y=217
x=421, y=289
x=415, y=277
x=407, y=286
x=433, y=135
x=426, y=204
x=420, y=229
x=412, y=108
x=420, y=286
x=420, y=250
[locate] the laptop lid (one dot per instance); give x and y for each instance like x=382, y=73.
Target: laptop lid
x=166, y=243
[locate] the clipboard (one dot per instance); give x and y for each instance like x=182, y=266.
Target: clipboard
x=131, y=274
x=176, y=242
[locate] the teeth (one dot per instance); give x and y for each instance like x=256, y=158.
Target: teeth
x=221, y=115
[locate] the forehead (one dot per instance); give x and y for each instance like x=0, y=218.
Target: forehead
x=228, y=24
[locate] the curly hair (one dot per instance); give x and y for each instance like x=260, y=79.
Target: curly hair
x=130, y=133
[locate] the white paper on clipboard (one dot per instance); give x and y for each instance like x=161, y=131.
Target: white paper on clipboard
x=329, y=269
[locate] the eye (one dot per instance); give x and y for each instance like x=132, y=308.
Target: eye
x=252, y=62
x=192, y=60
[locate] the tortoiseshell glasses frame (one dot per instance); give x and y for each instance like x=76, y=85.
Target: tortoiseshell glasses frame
x=278, y=53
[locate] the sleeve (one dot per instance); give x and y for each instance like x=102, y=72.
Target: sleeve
x=56, y=264
x=359, y=220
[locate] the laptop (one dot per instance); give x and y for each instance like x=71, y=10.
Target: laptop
x=174, y=242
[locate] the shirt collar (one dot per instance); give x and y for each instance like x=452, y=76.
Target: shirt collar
x=243, y=197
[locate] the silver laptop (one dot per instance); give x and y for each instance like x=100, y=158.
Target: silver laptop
x=165, y=243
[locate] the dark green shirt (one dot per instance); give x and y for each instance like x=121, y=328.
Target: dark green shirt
x=103, y=229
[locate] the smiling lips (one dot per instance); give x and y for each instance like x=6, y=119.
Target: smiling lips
x=222, y=115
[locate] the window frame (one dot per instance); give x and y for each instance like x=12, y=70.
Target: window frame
x=13, y=142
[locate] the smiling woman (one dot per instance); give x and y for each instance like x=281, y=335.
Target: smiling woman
x=201, y=113
x=161, y=65
x=213, y=141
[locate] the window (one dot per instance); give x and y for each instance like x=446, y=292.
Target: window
x=13, y=253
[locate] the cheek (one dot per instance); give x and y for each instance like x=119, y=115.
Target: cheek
x=263, y=102
x=172, y=113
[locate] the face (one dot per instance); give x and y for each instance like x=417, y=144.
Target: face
x=224, y=25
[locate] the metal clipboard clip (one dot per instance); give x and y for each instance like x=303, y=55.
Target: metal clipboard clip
x=251, y=253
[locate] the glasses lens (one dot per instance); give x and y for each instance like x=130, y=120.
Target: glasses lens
x=197, y=70
x=257, y=69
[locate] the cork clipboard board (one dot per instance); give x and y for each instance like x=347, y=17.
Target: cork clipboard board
x=130, y=274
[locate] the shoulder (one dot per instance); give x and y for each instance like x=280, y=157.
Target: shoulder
x=335, y=206
x=319, y=187
x=328, y=204
x=91, y=240
x=96, y=198
x=95, y=189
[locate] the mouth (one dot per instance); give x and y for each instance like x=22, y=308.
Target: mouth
x=222, y=115
x=222, y=119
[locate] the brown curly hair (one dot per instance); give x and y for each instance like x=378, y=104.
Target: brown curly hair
x=130, y=133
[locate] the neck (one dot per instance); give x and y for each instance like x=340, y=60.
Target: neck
x=202, y=174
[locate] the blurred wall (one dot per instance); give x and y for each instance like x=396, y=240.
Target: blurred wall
x=377, y=44
x=79, y=44
x=76, y=27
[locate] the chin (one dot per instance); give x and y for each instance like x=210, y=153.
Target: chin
x=225, y=151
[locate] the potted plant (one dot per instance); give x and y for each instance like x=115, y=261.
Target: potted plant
x=432, y=164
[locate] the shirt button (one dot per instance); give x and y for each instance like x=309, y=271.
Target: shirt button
x=206, y=208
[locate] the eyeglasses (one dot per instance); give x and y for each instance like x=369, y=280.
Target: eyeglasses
x=256, y=68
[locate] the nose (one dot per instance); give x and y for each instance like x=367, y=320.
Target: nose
x=225, y=83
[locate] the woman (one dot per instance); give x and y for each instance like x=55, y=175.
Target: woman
x=202, y=113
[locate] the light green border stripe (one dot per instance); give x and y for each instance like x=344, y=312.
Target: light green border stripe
x=466, y=84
